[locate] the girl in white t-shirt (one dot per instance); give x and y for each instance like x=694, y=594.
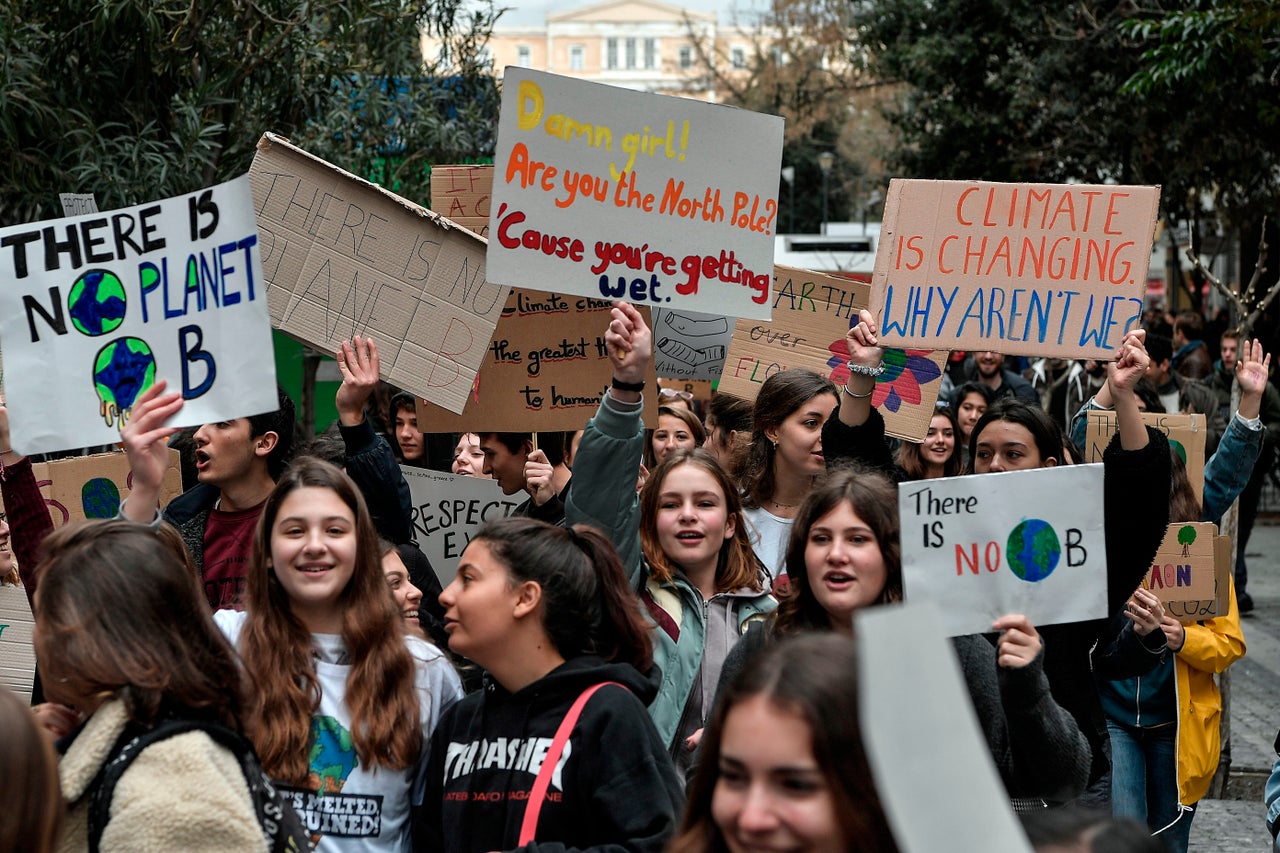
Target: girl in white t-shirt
x=340, y=702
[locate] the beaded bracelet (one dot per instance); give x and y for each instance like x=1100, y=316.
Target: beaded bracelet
x=863, y=370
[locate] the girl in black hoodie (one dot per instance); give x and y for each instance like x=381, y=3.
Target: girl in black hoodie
x=547, y=611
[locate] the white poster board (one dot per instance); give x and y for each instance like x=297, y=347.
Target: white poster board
x=95, y=308
x=987, y=545
x=448, y=509
x=922, y=738
x=690, y=346
x=17, y=654
x=607, y=192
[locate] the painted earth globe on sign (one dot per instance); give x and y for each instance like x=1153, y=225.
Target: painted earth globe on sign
x=123, y=369
x=1033, y=550
x=96, y=303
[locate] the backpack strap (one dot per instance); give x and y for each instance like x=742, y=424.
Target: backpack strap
x=281, y=827
x=533, y=806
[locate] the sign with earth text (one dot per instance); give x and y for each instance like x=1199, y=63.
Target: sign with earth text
x=611, y=193
x=987, y=545
x=97, y=307
x=1028, y=269
x=812, y=313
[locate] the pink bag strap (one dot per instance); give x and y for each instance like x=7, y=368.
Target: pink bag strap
x=533, y=806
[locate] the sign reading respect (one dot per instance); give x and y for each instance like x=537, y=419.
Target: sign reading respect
x=604, y=192
x=1033, y=269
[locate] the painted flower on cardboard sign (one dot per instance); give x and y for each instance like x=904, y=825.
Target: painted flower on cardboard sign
x=905, y=371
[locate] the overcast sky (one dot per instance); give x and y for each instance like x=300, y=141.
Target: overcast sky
x=526, y=12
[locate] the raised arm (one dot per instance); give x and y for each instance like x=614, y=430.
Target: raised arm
x=368, y=458
x=603, y=494
x=28, y=514
x=145, y=439
x=1129, y=366
x=857, y=431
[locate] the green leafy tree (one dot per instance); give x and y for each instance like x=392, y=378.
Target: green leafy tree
x=141, y=99
x=1186, y=538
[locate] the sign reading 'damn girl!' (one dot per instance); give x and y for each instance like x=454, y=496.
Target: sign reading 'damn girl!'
x=604, y=192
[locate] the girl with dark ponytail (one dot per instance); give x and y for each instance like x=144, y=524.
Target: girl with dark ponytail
x=548, y=613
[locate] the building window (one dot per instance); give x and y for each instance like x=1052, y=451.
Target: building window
x=524, y=56
x=611, y=54
x=650, y=53
x=631, y=54
x=738, y=57
x=576, y=57
x=686, y=57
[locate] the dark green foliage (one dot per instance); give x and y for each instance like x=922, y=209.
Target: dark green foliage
x=141, y=99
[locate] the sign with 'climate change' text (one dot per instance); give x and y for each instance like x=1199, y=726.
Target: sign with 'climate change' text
x=605, y=192
x=97, y=307
x=1031, y=269
x=988, y=545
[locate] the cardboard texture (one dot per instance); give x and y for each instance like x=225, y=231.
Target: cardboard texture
x=689, y=345
x=1194, y=610
x=987, y=545
x=812, y=313
x=1187, y=436
x=97, y=307
x=92, y=486
x=461, y=193
x=17, y=654
x=922, y=737
x=616, y=194
x=344, y=257
x=1029, y=269
x=1184, y=572
x=545, y=369
x=447, y=511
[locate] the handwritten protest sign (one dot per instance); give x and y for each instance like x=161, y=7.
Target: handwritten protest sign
x=461, y=193
x=93, y=486
x=688, y=345
x=17, y=654
x=811, y=315
x=95, y=308
x=447, y=511
x=1031, y=269
x=607, y=192
x=1188, y=610
x=1187, y=435
x=1018, y=542
x=344, y=257
x=1184, y=568
x=922, y=736
x=545, y=369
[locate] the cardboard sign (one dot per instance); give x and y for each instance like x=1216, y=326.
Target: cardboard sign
x=93, y=486
x=1187, y=435
x=17, y=654
x=96, y=308
x=344, y=257
x=607, y=192
x=461, y=193
x=1190, y=610
x=1184, y=567
x=690, y=346
x=1030, y=269
x=987, y=545
x=447, y=511
x=921, y=736
x=812, y=313
x=545, y=369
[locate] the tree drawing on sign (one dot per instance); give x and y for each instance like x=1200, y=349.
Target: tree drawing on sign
x=1186, y=536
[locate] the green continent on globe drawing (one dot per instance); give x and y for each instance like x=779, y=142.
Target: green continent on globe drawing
x=1033, y=550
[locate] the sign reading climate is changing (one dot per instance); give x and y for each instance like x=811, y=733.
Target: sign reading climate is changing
x=988, y=545
x=96, y=308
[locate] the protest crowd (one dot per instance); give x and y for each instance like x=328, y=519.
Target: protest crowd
x=655, y=620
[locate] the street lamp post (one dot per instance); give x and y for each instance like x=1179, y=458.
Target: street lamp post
x=825, y=161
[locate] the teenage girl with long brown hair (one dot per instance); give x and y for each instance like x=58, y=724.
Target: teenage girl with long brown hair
x=340, y=701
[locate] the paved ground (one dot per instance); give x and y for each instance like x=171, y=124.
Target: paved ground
x=1237, y=825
